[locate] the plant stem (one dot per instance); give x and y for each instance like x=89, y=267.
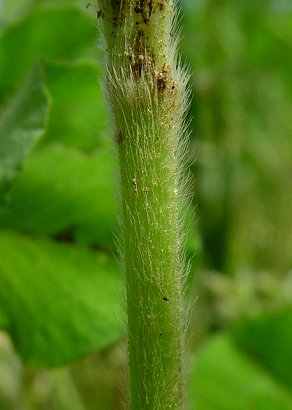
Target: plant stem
x=146, y=93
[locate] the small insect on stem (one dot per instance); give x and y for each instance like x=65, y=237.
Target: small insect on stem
x=134, y=181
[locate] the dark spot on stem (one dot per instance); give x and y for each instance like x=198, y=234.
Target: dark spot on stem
x=163, y=79
x=138, y=66
x=100, y=14
x=161, y=4
x=161, y=82
x=118, y=11
x=145, y=8
x=119, y=138
x=139, y=43
x=165, y=298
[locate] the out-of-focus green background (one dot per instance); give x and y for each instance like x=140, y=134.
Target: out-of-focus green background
x=58, y=220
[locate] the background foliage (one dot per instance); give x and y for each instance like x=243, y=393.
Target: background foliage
x=60, y=285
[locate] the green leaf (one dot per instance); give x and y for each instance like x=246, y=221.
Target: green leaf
x=61, y=300
x=15, y=9
x=268, y=339
x=21, y=124
x=224, y=378
x=78, y=116
x=49, y=31
x=66, y=193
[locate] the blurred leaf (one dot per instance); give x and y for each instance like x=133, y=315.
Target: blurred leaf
x=11, y=9
x=269, y=340
x=21, y=124
x=61, y=300
x=49, y=31
x=65, y=193
x=15, y=9
x=78, y=116
x=3, y=320
x=226, y=379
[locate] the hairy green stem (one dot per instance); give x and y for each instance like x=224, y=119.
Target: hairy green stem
x=146, y=93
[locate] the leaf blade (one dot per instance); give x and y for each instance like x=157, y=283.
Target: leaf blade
x=226, y=379
x=22, y=123
x=61, y=300
x=76, y=196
